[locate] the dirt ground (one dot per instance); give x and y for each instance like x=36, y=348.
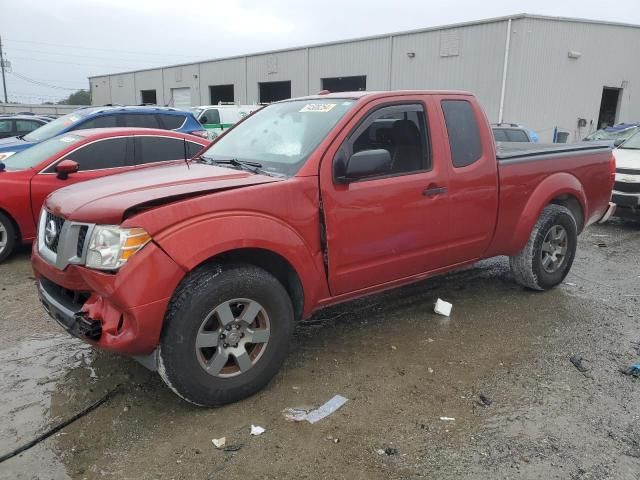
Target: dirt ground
x=401, y=366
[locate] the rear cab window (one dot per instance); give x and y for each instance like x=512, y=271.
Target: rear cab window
x=463, y=132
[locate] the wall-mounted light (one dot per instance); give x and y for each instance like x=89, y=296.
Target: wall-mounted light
x=411, y=54
x=575, y=55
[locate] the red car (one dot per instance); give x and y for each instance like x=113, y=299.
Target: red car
x=27, y=177
x=201, y=270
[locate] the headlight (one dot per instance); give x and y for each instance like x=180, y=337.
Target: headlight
x=5, y=155
x=111, y=246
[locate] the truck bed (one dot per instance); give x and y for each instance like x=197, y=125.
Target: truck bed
x=506, y=151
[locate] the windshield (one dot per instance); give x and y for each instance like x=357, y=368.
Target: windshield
x=612, y=135
x=196, y=112
x=633, y=143
x=51, y=129
x=32, y=156
x=281, y=136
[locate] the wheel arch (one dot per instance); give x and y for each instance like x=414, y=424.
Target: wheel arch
x=561, y=189
x=14, y=223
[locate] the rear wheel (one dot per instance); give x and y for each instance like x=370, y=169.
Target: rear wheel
x=8, y=237
x=226, y=334
x=548, y=255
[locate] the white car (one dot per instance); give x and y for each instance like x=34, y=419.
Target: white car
x=626, y=191
x=216, y=118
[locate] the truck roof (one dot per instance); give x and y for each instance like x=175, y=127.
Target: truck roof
x=379, y=94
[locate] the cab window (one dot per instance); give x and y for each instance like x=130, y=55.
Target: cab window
x=102, y=154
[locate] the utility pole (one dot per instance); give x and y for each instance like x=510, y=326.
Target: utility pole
x=4, y=80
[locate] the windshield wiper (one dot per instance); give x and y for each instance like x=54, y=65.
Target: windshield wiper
x=253, y=167
x=21, y=137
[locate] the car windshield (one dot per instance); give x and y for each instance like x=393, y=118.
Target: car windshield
x=53, y=128
x=281, y=136
x=612, y=134
x=633, y=143
x=196, y=111
x=32, y=156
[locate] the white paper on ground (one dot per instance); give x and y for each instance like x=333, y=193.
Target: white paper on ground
x=443, y=308
x=219, y=442
x=447, y=419
x=327, y=409
x=257, y=430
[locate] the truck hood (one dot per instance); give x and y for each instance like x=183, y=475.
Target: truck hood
x=106, y=200
x=627, y=158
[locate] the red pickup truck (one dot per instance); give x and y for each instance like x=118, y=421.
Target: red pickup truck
x=201, y=270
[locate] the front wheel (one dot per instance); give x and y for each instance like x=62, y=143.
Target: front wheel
x=548, y=255
x=8, y=237
x=226, y=334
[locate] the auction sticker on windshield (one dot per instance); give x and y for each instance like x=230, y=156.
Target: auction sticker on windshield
x=317, y=107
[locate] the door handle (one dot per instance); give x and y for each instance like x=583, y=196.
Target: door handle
x=433, y=191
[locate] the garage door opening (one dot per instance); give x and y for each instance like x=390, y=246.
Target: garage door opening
x=274, y=91
x=609, y=106
x=345, y=84
x=221, y=94
x=180, y=98
x=148, y=97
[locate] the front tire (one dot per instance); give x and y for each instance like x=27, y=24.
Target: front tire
x=226, y=334
x=8, y=237
x=547, y=257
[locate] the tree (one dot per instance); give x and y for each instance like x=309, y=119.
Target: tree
x=81, y=97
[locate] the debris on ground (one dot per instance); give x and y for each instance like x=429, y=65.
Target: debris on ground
x=295, y=414
x=312, y=416
x=598, y=235
x=232, y=448
x=579, y=363
x=219, y=443
x=430, y=370
x=447, y=419
x=257, y=430
x=380, y=451
x=443, y=308
x=484, y=400
x=334, y=440
x=633, y=370
x=571, y=284
x=601, y=245
x=391, y=451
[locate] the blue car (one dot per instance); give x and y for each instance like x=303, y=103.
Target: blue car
x=107, y=116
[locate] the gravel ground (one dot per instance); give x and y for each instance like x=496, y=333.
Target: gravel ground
x=401, y=366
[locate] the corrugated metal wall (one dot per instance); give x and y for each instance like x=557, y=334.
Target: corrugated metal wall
x=545, y=88
x=468, y=58
x=368, y=57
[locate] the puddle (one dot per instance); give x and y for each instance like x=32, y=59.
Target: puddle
x=29, y=372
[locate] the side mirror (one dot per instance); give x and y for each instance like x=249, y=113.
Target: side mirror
x=66, y=168
x=618, y=141
x=368, y=163
x=203, y=120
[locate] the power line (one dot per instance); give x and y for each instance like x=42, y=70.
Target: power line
x=103, y=49
x=72, y=63
x=77, y=55
x=41, y=83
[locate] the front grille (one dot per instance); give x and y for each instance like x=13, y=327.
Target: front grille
x=628, y=187
x=52, y=228
x=82, y=235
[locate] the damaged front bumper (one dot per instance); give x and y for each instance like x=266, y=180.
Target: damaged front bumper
x=122, y=312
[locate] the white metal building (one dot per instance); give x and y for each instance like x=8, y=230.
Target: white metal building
x=543, y=72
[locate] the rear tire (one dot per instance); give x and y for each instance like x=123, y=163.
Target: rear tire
x=206, y=355
x=8, y=237
x=547, y=257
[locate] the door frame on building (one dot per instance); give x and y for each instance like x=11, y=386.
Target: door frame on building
x=609, y=102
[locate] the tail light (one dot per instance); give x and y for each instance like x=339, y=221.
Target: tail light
x=201, y=134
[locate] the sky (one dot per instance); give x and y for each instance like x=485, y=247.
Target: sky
x=53, y=46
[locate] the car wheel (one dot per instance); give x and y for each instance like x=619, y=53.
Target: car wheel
x=547, y=258
x=8, y=237
x=226, y=334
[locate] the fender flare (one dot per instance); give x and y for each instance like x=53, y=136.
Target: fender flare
x=554, y=186
x=186, y=243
